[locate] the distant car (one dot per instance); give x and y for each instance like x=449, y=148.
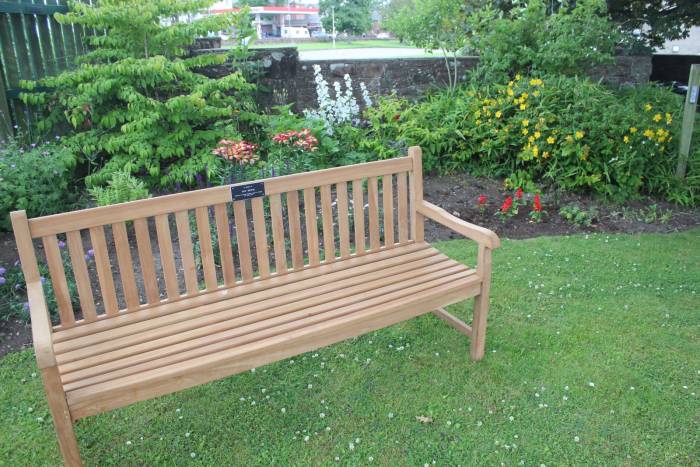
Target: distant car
x=383, y=35
x=295, y=33
x=319, y=34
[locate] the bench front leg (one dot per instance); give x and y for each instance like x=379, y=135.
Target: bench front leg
x=481, y=304
x=61, y=417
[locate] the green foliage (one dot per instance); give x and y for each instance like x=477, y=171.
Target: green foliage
x=13, y=288
x=137, y=102
x=435, y=24
x=532, y=39
x=351, y=16
x=121, y=188
x=568, y=132
x=574, y=214
x=38, y=179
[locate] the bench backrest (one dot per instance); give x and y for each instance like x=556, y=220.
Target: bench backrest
x=135, y=255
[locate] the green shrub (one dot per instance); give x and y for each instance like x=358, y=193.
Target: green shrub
x=13, y=288
x=37, y=178
x=137, y=102
x=573, y=214
x=567, y=132
x=121, y=188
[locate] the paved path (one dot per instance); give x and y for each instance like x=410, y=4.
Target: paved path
x=348, y=54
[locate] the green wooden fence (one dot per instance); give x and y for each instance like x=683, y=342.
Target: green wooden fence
x=32, y=45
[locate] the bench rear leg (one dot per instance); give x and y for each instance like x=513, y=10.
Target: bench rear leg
x=61, y=417
x=481, y=305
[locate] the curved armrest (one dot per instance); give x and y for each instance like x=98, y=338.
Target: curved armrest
x=479, y=234
x=41, y=326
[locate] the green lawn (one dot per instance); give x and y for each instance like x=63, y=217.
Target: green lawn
x=339, y=44
x=593, y=358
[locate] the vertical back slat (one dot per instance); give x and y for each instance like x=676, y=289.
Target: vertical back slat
x=327, y=219
x=278, y=234
x=82, y=277
x=311, y=226
x=295, y=229
x=244, y=257
x=184, y=237
x=167, y=261
x=205, y=248
x=341, y=192
x=104, y=270
x=388, y=205
x=373, y=205
x=126, y=266
x=224, y=234
x=148, y=271
x=260, y=237
x=403, y=206
x=358, y=208
x=58, y=280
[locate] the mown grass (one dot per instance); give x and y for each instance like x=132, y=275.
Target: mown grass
x=593, y=359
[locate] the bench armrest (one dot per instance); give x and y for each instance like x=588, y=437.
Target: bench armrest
x=480, y=235
x=41, y=326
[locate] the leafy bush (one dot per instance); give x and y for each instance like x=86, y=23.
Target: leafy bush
x=13, y=288
x=573, y=214
x=568, y=132
x=137, y=101
x=121, y=188
x=37, y=178
x=536, y=39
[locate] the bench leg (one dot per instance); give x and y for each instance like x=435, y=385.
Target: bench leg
x=481, y=305
x=61, y=417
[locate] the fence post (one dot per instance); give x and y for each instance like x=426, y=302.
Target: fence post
x=5, y=117
x=691, y=103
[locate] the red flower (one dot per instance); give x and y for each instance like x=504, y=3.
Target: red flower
x=519, y=194
x=482, y=200
x=396, y=117
x=302, y=139
x=241, y=151
x=537, y=206
x=507, y=204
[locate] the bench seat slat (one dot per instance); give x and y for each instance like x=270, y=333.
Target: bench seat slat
x=260, y=324
x=113, y=347
x=269, y=345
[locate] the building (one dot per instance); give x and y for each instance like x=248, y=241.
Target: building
x=269, y=20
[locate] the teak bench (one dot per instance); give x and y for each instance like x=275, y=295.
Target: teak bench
x=155, y=324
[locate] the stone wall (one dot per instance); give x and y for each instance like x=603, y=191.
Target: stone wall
x=285, y=79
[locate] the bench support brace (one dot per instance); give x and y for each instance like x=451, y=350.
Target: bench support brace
x=61, y=417
x=453, y=321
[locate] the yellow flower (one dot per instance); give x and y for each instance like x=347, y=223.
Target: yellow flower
x=647, y=107
x=535, y=151
x=531, y=139
x=579, y=134
x=569, y=138
x=657, y=118
x=626, y=139
x=517, y=77
x=525, y=131
x=648, y=133
x=545, y=154
x=478, y=122
x=510, y=83
x=536, y=82
x=633, y=129
x=661, y=139
x=510, y=92
x=551, y=140
x=537, y=134
x=669, y=119
x=525, y=122
x=498, y=114
x=523, y=106
x=523, y=96
x=536, y=93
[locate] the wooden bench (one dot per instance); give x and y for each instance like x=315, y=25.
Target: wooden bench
x=168, y=312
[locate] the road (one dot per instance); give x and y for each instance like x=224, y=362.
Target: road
x=369, y=53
